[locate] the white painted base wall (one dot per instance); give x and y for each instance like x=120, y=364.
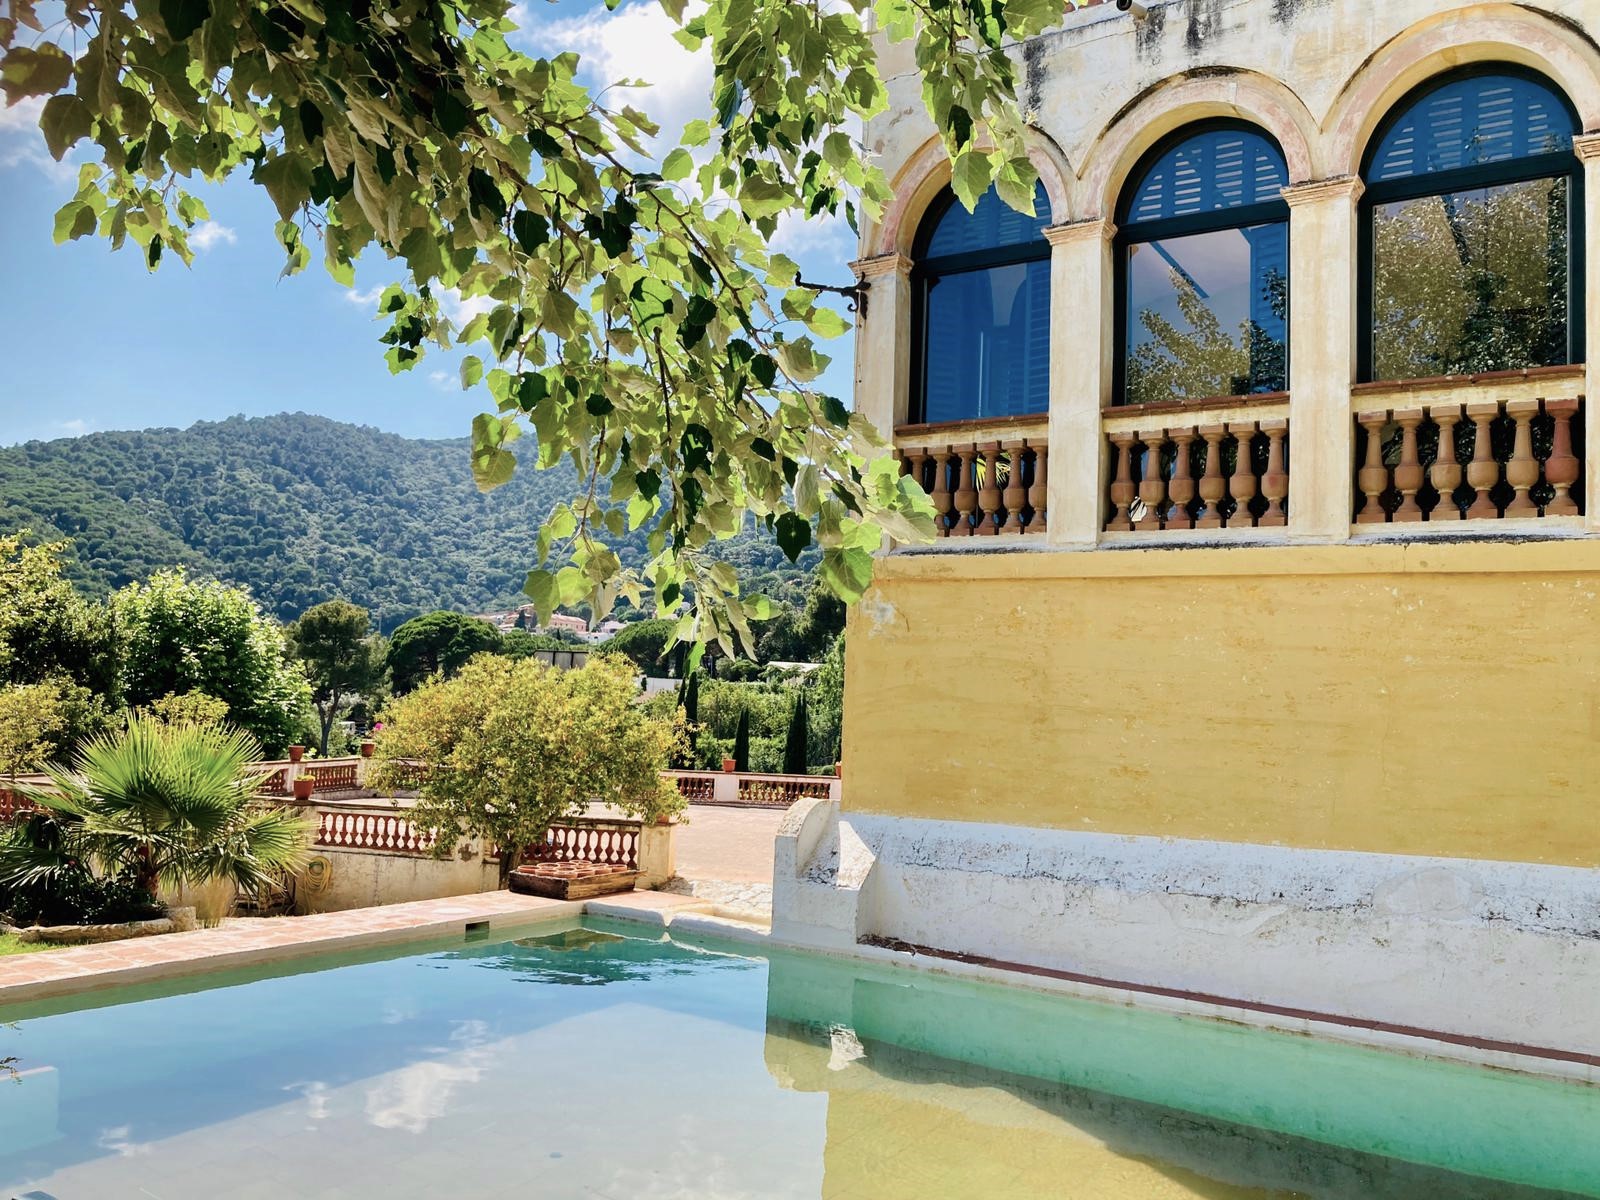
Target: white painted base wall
x=1505, y=952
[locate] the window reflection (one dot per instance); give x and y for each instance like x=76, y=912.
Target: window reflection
x=1471, y=281
x=988, y=337
x=1208, y=314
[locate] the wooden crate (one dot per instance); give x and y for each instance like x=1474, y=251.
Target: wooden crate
x=573, y=880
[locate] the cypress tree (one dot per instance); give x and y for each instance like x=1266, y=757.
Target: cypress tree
x=741, y=742
x=794, y=748
x=689, y=702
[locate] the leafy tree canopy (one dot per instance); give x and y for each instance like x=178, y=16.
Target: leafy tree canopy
x=341, y=658
x=437, y=643
x=46, y=629
x=635, y=323
x=515, y=745
x=181, y=635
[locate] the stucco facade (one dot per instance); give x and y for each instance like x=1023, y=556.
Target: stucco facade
x=1329, y=765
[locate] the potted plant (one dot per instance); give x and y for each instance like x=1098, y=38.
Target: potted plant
x=728, y=765
x=304, y=785
x=296, y=753
x=367, y=747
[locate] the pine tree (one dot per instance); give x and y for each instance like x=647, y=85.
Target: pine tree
x=741, y=742
x=794, y=748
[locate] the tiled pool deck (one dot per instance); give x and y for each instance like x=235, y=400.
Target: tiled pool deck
x=51, y=973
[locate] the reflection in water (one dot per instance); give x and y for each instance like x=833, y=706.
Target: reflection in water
x=677, y=1070
x=976, y=1090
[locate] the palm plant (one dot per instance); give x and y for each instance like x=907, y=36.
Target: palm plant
x=157, y=804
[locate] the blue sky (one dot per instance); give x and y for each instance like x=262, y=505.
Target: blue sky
x=94, y=341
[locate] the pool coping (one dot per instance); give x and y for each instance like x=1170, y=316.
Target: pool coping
x=52, y=974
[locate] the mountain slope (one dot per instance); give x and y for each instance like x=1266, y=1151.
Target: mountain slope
x=301, y=509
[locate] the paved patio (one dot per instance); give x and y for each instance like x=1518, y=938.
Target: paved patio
x=733, y=845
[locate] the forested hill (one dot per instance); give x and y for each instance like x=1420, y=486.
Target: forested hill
x=302, y=509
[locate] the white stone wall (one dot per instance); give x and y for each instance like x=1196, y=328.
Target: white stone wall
x=1506, y=952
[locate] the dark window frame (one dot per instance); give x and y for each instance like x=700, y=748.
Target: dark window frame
x=1439, y=183
x=1215, y=221
x=925, y=270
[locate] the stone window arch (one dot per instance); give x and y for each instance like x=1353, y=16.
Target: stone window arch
x=1471, y=227
x=1202, y=268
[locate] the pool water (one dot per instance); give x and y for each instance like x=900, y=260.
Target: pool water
x=597, y=1060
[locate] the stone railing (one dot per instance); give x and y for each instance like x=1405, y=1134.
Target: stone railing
x=13, y=804
x=752, y=790
x=1211, y=466
x=984, y=479
x=587, y=839
x=383, y=830
x=1469, y=451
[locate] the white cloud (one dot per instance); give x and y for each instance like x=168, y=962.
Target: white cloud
x=461, y=310
x=21, y=142
x=445, y=381
x=208, y=234
x=632, y=43
x=364, y=299
x=76, y=427
x=824, y=237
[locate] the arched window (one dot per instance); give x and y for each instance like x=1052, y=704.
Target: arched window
x=1471, y=257
x=981, y=288
x=1203, y=268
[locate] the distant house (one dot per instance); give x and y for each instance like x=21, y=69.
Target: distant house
x=569, y=624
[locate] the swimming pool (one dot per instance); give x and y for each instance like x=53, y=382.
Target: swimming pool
x=600, y=1060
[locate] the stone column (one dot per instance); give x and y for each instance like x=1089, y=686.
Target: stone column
x=1322, y=356
x=1081, y=346
x=1587, y=148
x=883, y=340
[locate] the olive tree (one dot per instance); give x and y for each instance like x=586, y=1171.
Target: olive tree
x=638, y=319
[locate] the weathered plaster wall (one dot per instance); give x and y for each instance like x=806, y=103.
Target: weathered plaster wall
x=1435, y=699
x=1500, y=951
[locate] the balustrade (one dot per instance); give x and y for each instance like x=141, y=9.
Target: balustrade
x=1226, y=474
x=785, y=790
x=276, y=783
x=1518, y=455
x=610, y=842
x=981, y=489
x=333, y=776
x=696, y=788
x=344, y=829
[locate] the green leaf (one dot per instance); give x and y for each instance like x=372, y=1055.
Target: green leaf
x=471, y=371
x=794, y=535
x=34, y=72
x=541, y=588
x=970, y=174
x=184, y=17
x=530, y=229
x=677, y=166
x=65, y=120
x=826, y=323
x=848, y=571
x=492, y=464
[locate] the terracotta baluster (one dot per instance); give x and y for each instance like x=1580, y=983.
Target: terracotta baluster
x=1181, y=486
x=1522, y=472
x=1122, y=485
x=1212, y=487
x=1408, y=473
x=1561, y=469
x=1482, y=472
x=1445, y=474
x=1152, y=488
x=1373, y=478
x=941, y=490
x=989, y=492
x=966, y=493
x=1015, y=494
x=1242, y=483
x=1275, y=483
x=1039, y=493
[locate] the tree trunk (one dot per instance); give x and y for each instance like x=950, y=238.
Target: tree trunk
x=327, y=725
x=510, y=860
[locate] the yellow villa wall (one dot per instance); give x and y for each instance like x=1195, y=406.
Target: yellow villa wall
x=1433, y=699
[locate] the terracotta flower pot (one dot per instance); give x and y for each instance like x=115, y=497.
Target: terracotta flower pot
x=304, y=785
x=296, y=753
x=367, y=747
x=728, y=765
